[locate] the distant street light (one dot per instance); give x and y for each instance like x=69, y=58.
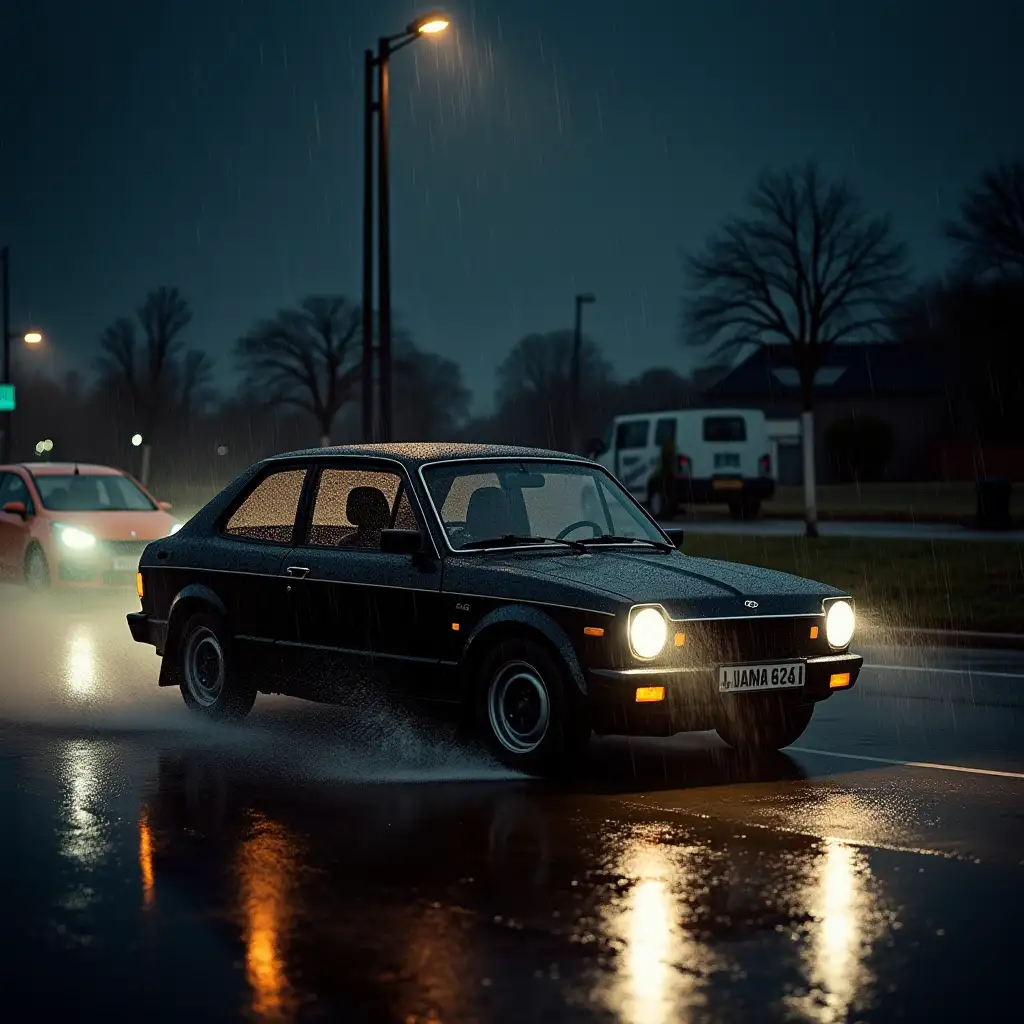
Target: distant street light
x=432, y=24
x=574, y=372
x=136, y=440
x=42, y=447
x=33, y=338
x=222, y=449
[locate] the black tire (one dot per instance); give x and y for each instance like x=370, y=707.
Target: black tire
x=660, y=504
x=210, y=683
x=525, y=711
x=764, y=725
x=37, y=570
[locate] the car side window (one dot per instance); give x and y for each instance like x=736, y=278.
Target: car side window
x=405, y=516
x=269, y=510
x=353, y=506
x=632, y=434
x=13, y=488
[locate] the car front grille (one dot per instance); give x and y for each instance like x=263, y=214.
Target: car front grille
x=122, y=548
x=724, y=641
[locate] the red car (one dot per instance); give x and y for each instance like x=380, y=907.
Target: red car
x=68, y=525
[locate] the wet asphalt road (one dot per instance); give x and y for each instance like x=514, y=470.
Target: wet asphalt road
x=326, y=865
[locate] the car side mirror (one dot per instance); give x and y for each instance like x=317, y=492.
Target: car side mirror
x=675, y=534
x=16, y=508
x=164, y=506
x=597, y=447
x=401, y=542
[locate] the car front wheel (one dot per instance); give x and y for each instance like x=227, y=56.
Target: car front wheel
x=37, y=569
x=764, y=726
x=210, y=684
x=525, y=712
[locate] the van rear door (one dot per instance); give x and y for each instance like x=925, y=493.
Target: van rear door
x=729, y=450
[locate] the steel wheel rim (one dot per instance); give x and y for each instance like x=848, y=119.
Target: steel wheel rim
x=519, y=707
x=204, y=667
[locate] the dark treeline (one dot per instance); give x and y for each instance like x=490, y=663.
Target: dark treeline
x=806, y=268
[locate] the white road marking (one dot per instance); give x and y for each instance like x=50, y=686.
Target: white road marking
x=947, y=671
x=910, y=764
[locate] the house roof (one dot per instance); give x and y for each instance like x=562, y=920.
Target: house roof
x=863, y=370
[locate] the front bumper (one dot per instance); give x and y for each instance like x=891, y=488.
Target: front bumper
x=111, y=563
x=145, y=630
x=692, y=700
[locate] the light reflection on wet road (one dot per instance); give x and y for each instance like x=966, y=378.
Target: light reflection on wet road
x=320, y=864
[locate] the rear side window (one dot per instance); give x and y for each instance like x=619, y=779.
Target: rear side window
x=352, y=507
x=269, y=511
x=664, y=431
x=725, y=428
x=632, y=434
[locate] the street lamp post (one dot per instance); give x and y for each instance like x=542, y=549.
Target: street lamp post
x=428, y=25
x=574, y=373
x=30, y=338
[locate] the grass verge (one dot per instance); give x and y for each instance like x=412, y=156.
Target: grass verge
x=898, y=584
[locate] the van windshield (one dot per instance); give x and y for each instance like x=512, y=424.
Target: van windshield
x=725, y=428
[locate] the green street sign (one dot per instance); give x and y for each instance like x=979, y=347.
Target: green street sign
x=6, y=398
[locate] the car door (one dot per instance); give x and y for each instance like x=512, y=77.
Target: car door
x=364, y=617
x=254, y=544
x=14, y=529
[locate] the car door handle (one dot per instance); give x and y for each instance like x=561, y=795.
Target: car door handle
x=297, y=570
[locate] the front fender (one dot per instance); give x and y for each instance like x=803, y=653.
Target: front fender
x=191, y=598
x=535, y=620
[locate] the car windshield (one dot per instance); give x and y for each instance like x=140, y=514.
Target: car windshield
x=534, y=501
x=91, y=493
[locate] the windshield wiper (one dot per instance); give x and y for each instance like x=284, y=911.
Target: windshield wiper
x=512, y=539
x=610, y=538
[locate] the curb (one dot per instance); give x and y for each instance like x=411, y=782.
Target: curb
x=946, y=638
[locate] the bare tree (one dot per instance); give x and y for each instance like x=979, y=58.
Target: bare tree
x=308, y=357
x=806, y=268
x=990, y=228
x=432, y=402
x=533, y=386
x=160, y=378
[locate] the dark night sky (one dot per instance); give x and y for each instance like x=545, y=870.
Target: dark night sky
x=549, y=146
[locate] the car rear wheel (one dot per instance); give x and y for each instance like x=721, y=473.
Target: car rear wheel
x=37, y=569
x=524, y=711
x=762, y=726
x=210, y=684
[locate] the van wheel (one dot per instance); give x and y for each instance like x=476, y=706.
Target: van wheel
x=524, y=712
x=658, y=505
x=210, y=683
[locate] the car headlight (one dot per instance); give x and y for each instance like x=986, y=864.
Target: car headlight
x=76, y=539
x=839, y=623
x=648, y=632
x=174, y=529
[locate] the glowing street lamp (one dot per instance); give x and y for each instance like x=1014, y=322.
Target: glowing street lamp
x=136, y=440
x=33, y=338
x=432, y=25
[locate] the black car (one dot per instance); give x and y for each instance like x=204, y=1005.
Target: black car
x=524, y=589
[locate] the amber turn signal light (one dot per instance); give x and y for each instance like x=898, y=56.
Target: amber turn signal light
x=649, y=694
x=455, y=627
x=138, y=584
x=680, y=639
x=593, y=631
x=814, y=632
x=838, y=680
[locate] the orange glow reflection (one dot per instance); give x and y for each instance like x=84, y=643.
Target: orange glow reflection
x=265, y=869
x=146, y=861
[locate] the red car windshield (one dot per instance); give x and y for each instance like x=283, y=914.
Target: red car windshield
x=91, y=493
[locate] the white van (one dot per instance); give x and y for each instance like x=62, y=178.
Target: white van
x=717, y=455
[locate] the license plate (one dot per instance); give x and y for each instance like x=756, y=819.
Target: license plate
x=727, y=485
x=126, y=564
x=726, y=459
x=786, y=675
